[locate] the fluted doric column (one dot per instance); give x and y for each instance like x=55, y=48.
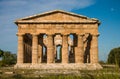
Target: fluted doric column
x=39, y=53
x=94, y=49
x=55, y=50
x=20, y=56
x=25, y=53
x=50, y=49
x=27, y=50
x=79, y=50
x=65, y=49
x=34, y=48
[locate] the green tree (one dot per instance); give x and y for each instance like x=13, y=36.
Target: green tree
x=114, y=56
x=7, y=58
x=1, y=53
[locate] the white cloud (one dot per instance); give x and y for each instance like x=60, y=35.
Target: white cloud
x=66, y=4
x=69, y=4
x=23, y=8
x=43, y=5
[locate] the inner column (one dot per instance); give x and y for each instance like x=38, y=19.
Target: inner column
x=79, y=52
x=50, y=49
x=65, y=49
x=40, y=51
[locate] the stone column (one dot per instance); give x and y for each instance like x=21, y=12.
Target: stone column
x=34, y=49
x=50, y=49
x=30, y=52
x=94, y=49
x=25, y=59
x=55, y=50
x=27, y=46
x=20, y=56
x=39, y=53
x=79, y=52
x=65, y=49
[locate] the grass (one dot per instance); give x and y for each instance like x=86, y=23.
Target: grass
x=106, y=73
x=110, y=76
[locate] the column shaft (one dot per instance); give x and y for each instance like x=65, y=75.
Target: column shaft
x=65, y=49
x=35, y=49
x=20, y=57
x=55, y=54
x=94, y=49
x=50, y=50
x=79, y=52
x=25, y=52
x=39, y=53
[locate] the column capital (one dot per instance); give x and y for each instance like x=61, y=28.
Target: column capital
x=19, y=34
x=81, y=34
x=95, y=34
x=50, y=34
x=65, y=35
x=34, y=34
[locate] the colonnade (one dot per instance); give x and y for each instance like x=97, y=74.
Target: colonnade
x=36, y=49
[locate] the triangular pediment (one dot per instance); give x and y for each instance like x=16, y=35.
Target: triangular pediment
x=57, y=16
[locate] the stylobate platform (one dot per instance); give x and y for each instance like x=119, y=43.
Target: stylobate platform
x=59, y=66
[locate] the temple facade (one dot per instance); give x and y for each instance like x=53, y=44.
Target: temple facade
x=57, y=40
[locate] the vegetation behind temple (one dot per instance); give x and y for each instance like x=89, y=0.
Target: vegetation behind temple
x=7, y=58
x=114, y=56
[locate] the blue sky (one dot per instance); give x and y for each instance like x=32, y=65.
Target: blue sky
x=107, y=11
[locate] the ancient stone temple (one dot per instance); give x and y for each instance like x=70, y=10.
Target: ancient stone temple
x=57, y=40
